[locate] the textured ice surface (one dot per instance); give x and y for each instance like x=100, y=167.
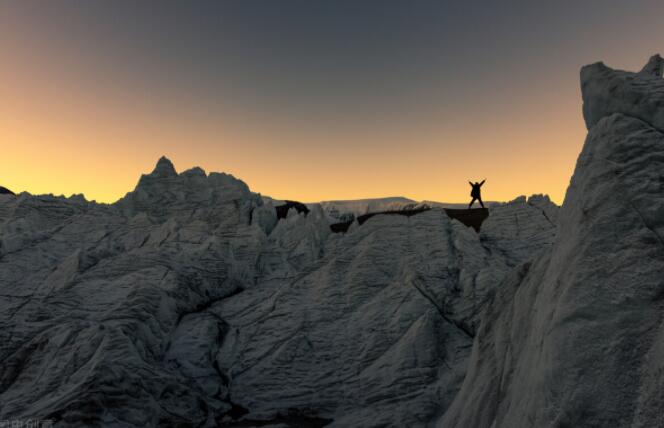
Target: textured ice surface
x=638, y=95
x=574, y=338
x=187, y=298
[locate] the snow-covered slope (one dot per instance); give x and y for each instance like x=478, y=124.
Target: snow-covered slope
x=574, y=338
x=188, y=302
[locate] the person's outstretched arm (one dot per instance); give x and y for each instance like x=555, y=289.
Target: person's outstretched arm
x=470, y=183
x=482, y=181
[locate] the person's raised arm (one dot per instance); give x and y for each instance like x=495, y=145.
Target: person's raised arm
x=482, y=182
x=470, y=182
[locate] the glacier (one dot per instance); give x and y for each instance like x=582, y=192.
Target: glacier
x=189, y=303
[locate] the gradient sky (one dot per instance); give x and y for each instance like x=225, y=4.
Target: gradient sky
x=307, y=99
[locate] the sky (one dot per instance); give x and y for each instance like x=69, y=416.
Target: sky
x=304, y=99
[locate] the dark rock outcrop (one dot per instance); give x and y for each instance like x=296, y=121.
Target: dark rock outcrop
x=282, y=210
x=471, y=218
x=341, y=227
x=404, y=212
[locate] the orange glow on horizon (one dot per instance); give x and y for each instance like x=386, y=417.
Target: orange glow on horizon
x=69, y=126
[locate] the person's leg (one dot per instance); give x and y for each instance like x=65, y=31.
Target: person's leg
x=471, y=203
x=481, y=203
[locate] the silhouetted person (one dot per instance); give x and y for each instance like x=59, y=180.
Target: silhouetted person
x=476, y=193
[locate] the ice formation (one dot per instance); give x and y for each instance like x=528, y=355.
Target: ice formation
x=574, y=337
x=188, y=302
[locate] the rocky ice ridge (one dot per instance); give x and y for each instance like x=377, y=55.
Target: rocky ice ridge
x=376, y=333
x=574, y=337
x=638, y=95
x=188, y=302
x=341, y=210
x=529, y=227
